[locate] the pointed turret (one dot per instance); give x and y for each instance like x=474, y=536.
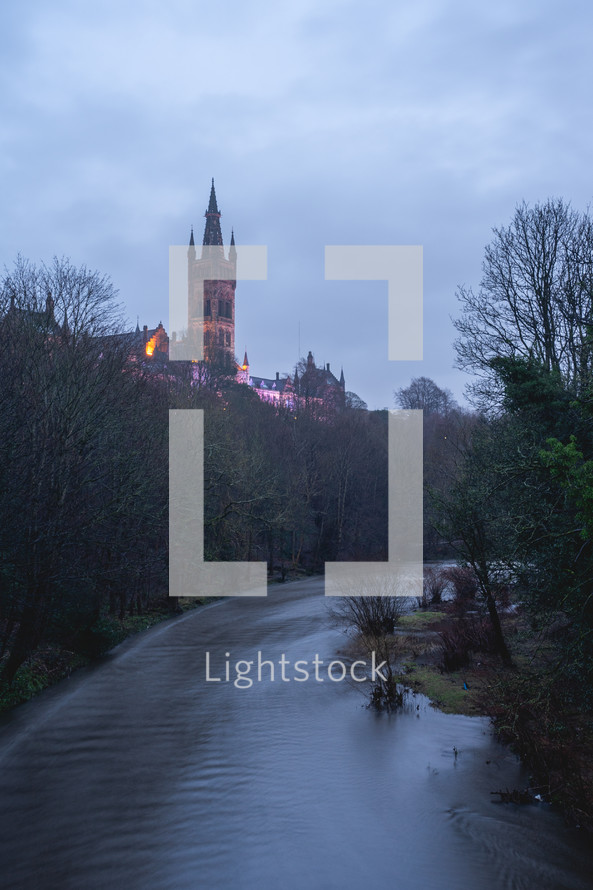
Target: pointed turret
x=243, y=370
x=212, y=230
x=342, y=380
x=191, y=250
x=233, y=254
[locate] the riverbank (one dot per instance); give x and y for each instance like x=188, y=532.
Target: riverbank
x=54, y=662
x=138, y=773
x=531, y=708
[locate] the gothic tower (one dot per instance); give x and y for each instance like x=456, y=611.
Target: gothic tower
x=215, y=314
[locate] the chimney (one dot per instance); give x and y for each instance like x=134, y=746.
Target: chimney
x=277, y=375
x=145, y=333
x=328, y=366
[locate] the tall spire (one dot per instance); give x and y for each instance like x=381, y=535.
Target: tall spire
x=191, y=238
x=212, y=206
x=212, y=230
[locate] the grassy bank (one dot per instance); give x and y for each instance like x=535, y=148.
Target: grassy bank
x=532, y=709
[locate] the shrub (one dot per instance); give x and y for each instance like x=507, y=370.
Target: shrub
x=371, y=616
x=434, y=585
x=464, y=583
x=467, y=635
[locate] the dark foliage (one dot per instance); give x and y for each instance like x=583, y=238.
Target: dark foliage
x=84, y=470
x=466, y=636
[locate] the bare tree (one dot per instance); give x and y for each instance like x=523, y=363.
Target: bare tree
x=423, y=393
x=534, y=300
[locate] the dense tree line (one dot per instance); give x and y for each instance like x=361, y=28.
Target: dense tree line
x=293, y=488
x=519, y=509
x=84, y=470
x=81, y=489
x=447, y=430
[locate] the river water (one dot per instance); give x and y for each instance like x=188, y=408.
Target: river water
x=141, y=774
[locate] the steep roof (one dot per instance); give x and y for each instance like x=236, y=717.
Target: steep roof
x=212, y=230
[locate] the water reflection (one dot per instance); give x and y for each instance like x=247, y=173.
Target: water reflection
x=139, y=774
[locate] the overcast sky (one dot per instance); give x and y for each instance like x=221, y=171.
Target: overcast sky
x=327, y=122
